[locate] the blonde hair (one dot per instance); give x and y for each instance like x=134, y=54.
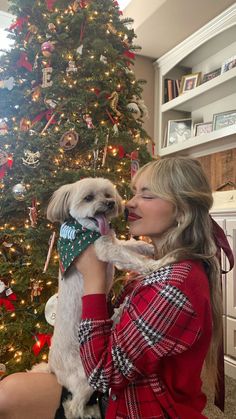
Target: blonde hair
x=181, y=180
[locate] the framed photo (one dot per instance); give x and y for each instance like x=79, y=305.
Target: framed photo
x=202, y=128
x=189, y=82
x=228, y=64
x=179, y=131
x=211, y=75
x=224, y=119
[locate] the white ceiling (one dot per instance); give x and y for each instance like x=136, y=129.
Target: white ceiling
x=162, y=24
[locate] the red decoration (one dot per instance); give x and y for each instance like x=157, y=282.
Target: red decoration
x=18, y=24
x=116, y=150
x=5, y=162
x=45, y=114
x=129, y=54
x=7, y=296
x=50, y=4
x=23, y=62
x=41, y=340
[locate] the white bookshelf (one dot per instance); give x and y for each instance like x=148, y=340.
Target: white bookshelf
x=202, y=52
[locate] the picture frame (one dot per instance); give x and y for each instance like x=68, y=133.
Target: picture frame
x=189, y=82
x=202, y=128
x=211, y=75
x=224, y=119
x=179, y=131
x=228, y=64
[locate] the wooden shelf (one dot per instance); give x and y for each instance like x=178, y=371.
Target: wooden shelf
x=211, y=91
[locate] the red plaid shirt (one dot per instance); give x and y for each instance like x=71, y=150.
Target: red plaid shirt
x=151, y=360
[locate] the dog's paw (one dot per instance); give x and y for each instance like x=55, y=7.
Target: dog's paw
x=102, y=245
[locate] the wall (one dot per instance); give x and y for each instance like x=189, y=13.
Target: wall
x=144, y=69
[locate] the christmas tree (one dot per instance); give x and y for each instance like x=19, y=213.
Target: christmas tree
x=70, y=107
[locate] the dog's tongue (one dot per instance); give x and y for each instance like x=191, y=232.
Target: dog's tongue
x=102, y=224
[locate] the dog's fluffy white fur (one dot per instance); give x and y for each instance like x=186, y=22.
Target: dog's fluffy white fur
x=83, y=200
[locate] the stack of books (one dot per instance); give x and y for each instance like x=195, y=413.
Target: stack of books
x=171, y=89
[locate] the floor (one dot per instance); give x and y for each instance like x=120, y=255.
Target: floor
x=212, y=412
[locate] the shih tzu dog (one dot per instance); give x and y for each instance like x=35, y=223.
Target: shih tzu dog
x=85, y=209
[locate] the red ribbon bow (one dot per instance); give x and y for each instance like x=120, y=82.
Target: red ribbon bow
x=23, y=62
x=45, y=114
x=50, y=4
x=41, y=340
x=18, y=24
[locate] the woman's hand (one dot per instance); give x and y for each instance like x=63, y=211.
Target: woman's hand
x=93, y=271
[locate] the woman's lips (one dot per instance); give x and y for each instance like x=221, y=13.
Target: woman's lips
x=133, y=217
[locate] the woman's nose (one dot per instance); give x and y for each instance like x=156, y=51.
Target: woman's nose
x=130, y=203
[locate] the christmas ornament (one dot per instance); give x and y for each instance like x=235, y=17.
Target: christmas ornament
x=138, y=108
x=83, y=4
x=50, y=103
x=47, y=48
x=7, y=296
x=50, y=243
x=18, y=24
x=114, y=102
x=31, y=159
x=111, y=28
x=3, y=127
x=88, y=119
x=25, y=124
x=33, y=213
x=69, y=140
x=51, y=309
x=7, y=84
x=50, y=4
x=6, y=161
x=80, y=49
x=24, y=62
x=36, y=94
x=19, y=191
x=47, y=82
x=76, y=6
x=2, y=370
x=52, y=28
x=116, y=150
x=71, y=68
x=41, y=340
x=103, y=59
x=36, y=289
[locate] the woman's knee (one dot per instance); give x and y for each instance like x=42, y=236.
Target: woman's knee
x=7, y=391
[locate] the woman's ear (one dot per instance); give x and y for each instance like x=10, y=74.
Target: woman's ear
x=58, y=208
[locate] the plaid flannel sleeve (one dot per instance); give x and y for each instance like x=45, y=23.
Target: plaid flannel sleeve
x=158, y=321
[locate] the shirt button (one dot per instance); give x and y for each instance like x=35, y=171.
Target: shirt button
x=113, y=397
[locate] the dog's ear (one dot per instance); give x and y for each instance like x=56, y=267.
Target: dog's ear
x=58, y=208
x=120, y=204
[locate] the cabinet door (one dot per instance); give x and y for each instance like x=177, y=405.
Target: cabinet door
x=231, y=337
x=231, y=276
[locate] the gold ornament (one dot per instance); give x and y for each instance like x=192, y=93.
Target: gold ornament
x=114, y=98
x=69, y=140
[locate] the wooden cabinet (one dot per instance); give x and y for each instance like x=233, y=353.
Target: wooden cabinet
x=204, y=51
x=224, y=212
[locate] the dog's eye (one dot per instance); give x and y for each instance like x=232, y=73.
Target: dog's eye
x=107, y=195
x=89, y=198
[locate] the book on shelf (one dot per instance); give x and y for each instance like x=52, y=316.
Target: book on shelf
x=171, y=89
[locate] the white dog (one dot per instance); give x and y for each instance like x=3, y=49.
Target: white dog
x=91, y=202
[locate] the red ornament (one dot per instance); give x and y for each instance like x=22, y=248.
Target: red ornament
x=18, y=24
x=115, y=150
x=7, y=296
x=50, y=4
x=23, y=62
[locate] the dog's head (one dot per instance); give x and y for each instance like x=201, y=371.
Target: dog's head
x=91, y=201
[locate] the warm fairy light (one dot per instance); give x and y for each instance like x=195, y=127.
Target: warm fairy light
x=22, y=302
x=49, y=283
x=38, y=325
x=11, y=349
x=44, y=357
x=13, y=314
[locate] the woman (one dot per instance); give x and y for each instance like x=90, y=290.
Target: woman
x=150, y=363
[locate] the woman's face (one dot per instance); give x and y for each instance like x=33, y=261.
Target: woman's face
x=149, y=215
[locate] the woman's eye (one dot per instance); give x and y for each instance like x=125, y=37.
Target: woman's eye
x=147, y=197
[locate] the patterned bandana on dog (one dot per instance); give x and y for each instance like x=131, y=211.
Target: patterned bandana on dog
x=74, y=238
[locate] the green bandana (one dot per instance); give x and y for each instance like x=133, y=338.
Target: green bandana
x=74, y=238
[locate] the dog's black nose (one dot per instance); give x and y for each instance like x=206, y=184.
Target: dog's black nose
x=110, y=204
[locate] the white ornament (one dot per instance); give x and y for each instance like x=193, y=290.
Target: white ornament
x=7, y=84
x=71, y=67
x=80, y=49
x=32, y=159
x=51, y=309
x=47, y=72
x=103, y=59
